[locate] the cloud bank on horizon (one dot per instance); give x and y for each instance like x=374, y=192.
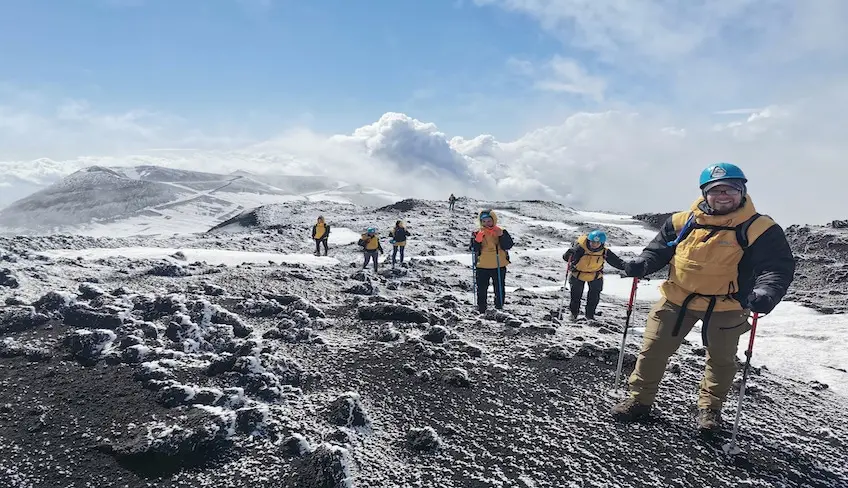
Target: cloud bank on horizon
x=629, y=101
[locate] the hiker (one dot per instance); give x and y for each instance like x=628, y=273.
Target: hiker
x=451, y=200
x=320, y=234
x=370, y=243
x=725, y=261
x=490, y=244
x=398, y=240
x=587, y=260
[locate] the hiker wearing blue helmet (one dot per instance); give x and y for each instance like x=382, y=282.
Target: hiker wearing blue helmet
x=586, y=262
x=725, y=261
x=370, y=243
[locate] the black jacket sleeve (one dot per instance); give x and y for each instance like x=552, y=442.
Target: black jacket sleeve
x=574, y=254
x=768, y=265
x=614, y=260
x=505, y=241
x=326, y=231
x=658, y=253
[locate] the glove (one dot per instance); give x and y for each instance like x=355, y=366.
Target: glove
x=761, y=301
x=636, y=268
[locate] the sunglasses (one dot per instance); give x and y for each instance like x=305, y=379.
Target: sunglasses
x=728, y=191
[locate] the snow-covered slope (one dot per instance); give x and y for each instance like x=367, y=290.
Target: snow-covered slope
x=157, y=200
x=235, y=357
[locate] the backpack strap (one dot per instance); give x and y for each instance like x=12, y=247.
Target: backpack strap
x=684, y=231
x=742, y=231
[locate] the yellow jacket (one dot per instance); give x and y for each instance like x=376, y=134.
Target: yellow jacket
x=490, y=248
x=706, y=260
x=320, y=230
x=370, y=243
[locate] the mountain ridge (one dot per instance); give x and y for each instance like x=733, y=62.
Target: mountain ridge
x=145, y=199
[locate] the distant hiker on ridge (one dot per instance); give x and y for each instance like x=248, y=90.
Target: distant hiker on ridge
x=370, y=243
x=726, y=260
x=398, y=240
x=320, y=234
x=490, y=244
x=451, y=200
x=586, y=260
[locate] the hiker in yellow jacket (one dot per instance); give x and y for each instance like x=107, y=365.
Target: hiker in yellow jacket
x=490, y=244
x=725, y=261
x=320, y=234
x=370, y=243
x=586, y=261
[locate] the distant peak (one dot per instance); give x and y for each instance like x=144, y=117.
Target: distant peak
x=101, y=169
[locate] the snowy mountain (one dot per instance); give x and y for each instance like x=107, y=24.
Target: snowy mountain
x=237, y=357
x=149, y=199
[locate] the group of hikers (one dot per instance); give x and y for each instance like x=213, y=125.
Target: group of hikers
x=725, y=260
x=369, y=241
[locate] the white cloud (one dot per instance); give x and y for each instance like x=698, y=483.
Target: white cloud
x=665, y=32
x=563, y=75
x=613, y=160
x=673, y=80
x=695, y=53
x=33, y=125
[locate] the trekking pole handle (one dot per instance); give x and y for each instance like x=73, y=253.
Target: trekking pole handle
x=633, y=292
x=753, y=332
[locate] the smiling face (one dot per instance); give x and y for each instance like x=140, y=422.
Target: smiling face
x=724, y=199
x=487, y=221
x=594, y=245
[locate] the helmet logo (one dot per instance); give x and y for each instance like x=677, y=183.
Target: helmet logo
x=718, y=172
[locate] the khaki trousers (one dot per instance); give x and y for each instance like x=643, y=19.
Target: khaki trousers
x=723, y=332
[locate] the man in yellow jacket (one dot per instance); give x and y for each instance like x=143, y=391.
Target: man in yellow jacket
x=490, y=244
x=587, y=260
x=320, y=234
x=725, y=261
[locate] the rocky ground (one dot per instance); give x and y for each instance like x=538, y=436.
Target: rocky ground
x=136, y=372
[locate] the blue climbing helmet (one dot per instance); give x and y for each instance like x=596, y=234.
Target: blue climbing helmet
x=371, y=230
x=722, y=172
x=598, y=236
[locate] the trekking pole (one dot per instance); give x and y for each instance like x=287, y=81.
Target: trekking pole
x=474, y=276
x=500, y=291
x=564, y=289
x=731, y=447
x=624, y=335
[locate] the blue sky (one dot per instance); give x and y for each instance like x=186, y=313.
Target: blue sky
x=343, y=62
x=471, y=66
x=580, y=96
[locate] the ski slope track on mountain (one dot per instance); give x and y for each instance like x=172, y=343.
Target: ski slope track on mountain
x=125, y=201
x=235, y=357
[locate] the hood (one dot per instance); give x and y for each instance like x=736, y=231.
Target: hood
x=491, y=213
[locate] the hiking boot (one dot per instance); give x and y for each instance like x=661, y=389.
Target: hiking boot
x=573, y=317
x=590, y=316
x=630, y=410
x=709, y=419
